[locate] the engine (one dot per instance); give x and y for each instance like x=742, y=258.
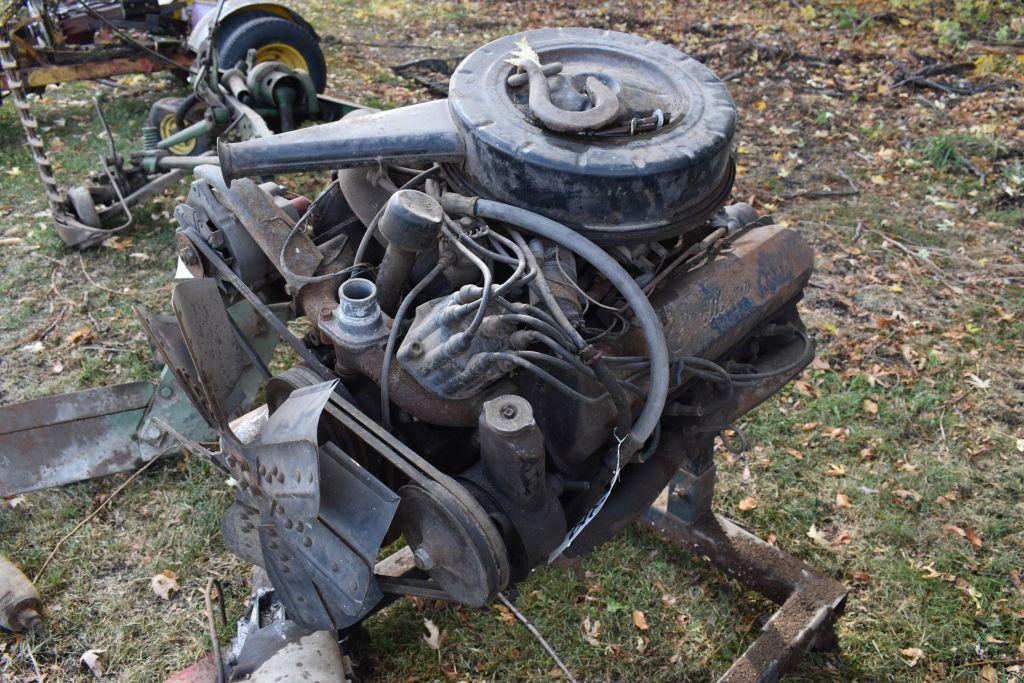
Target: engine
x=528, y=306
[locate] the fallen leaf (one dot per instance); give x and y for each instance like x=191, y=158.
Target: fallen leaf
x=795, y=453
x=870, y=406
x=165, y=583
x=860, y=576
x=843, y=501
x=17, y=502
x=434, y=636
x=80, y=335
x=748, y=503
x=835, y=470
x=505, y=614
x=34, y=347
x=804, y=388
x=978, y=382
x=591, y=631
x=842, y=538
x=954, y=530
x=904, y=494
x=118, y=243
x=817, y=536
x=913, y=655
x=640, y=620
x=641, y=644
x=988, y=674
x=90, y=659
x=973, y=537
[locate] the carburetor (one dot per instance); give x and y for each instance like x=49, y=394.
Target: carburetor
x=528, y=306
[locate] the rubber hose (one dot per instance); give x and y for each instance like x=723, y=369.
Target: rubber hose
x=654, y=336
x=184, y=108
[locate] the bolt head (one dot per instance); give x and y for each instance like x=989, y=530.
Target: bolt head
x=188, y=255
x=422, y=559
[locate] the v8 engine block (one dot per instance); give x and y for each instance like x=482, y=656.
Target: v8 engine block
x=529, y=306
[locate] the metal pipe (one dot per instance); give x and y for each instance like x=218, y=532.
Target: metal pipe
x=187, y=163
x=19, y=600
x=197, y=129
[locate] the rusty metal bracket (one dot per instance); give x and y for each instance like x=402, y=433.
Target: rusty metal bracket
x=61, y=439
x=809, y=601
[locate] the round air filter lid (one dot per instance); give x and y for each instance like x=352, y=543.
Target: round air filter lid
x=661, y=163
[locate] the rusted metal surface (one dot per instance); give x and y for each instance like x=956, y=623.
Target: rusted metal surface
x=60, y=439
x=39, y=76
x=19, y=600
x=706, y=311
x=810, y=601
x=96, y=432
x=203, y=671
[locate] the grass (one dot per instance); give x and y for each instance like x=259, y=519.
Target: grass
x=912, y=413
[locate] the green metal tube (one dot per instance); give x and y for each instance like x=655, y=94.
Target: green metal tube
x=185, y=134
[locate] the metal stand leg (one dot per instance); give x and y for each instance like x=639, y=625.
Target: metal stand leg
x=810, y=601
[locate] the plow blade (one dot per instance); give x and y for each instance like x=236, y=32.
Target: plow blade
x=92, y=433
x=61, y=439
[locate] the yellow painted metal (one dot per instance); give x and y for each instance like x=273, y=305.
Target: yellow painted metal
x=281, y=52
x=168, y=127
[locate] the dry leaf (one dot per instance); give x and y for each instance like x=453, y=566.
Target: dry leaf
x=870, y=406
x=640, y=620
x=817, y=536
x=82, y=334
x=748, y=503
x=842, y=538
x=988, y=674
x=641, y=644
x=913, y=655
x=434, y=636
x=904, y=494
x=591, y=631
x=18, y=502
x=90, y=659
x=954, y=530
x=804, y=388
x=795, y=453
x=973, y=537
x=505, y=614
x=118, y=243
x=977, y=382
x=843, y=501
x=165, y=583
x=835, y=470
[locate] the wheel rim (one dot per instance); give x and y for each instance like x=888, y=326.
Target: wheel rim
x=281, y=52
x=168, y=127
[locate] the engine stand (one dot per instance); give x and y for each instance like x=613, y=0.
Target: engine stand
x=810, y=601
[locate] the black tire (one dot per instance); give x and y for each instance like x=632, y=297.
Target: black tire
x=234, y=41
x=161, y=116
